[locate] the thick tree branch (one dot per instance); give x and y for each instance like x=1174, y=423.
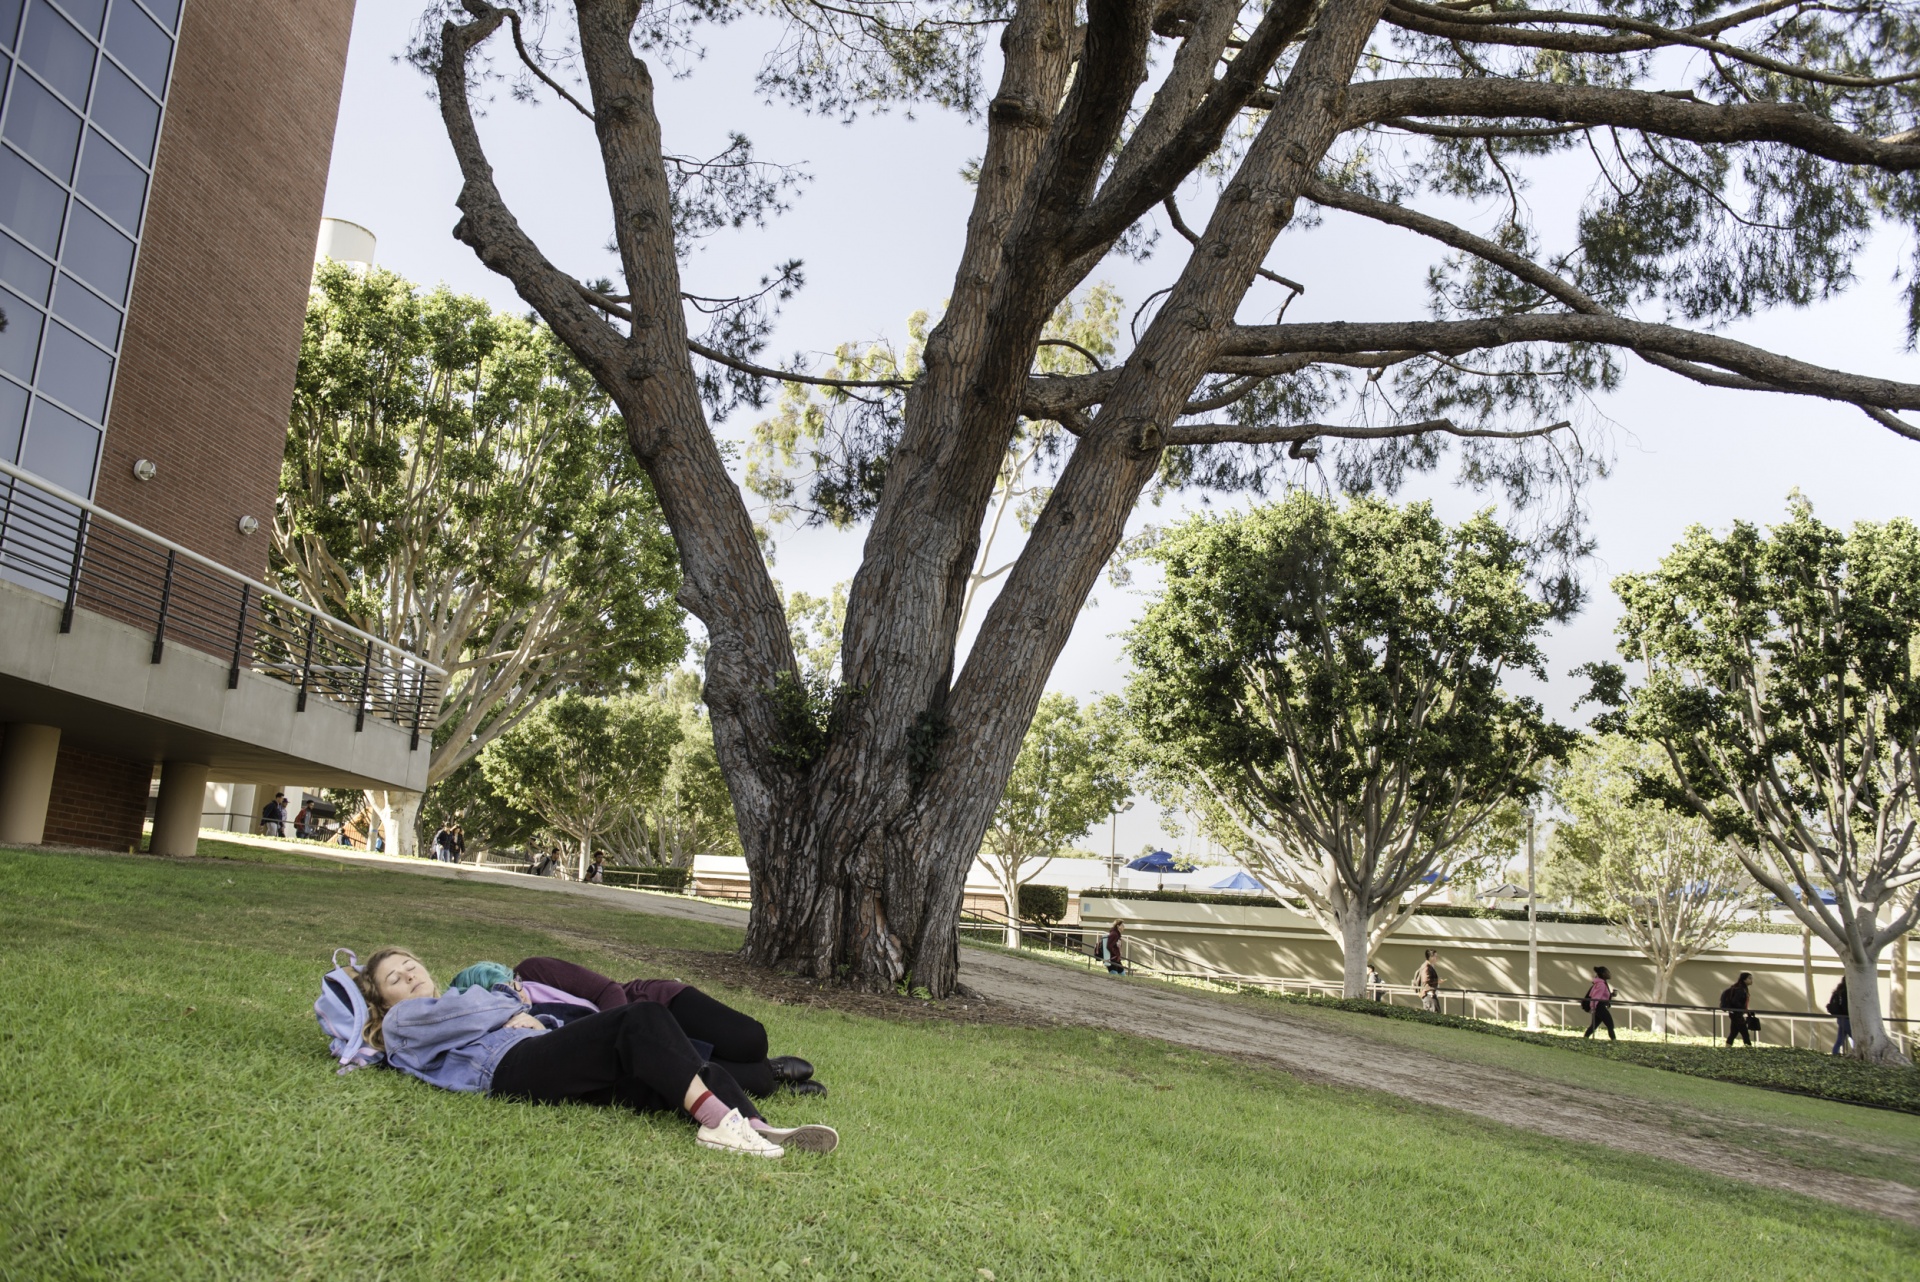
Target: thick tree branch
x=1452, y=338
x=1653, y=113
x=1239, y=434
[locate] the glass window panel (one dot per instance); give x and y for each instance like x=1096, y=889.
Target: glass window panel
x=116, y=186
x=21, y=338
x=98, y=254
x=42, y=127
x=23, y=269
x=75, y=372
x=30, y=202
x=9, y=20
x=80, y=305
x=62, y=56
x=168, y=11
x=123, y=109
x=60, y=447
x=140, y=45
x=13, y=417
x=86, y=14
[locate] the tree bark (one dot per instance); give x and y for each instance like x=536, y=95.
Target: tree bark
x=1354, y=930
x=399, y=814
x=1897, y=997
x=1662, y=981
x=1870, y=1040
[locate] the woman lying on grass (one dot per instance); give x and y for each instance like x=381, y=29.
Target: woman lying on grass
x=634, y=1055
x=735, y=1040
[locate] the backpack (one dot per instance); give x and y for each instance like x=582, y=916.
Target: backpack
x=342, y=1012
x=1837, y=1001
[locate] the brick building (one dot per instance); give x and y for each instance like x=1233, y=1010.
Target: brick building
x=162, y=166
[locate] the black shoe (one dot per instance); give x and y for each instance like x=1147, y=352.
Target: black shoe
x=808, y=1087
x=790, y=1068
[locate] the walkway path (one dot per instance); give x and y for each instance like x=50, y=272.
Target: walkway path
x=1305, y=1046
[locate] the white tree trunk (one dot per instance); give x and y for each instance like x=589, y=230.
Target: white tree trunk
x=1897, y=999
x=1870, y=1040
x=586, y=851
x=399, y=813
x=1010, y=892
x=1353, y=949
x=1662, y=978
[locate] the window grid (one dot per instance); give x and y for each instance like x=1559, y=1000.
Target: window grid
x=75, y=302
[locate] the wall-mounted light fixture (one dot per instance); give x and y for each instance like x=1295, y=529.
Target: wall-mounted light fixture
x=248, y=524
x=145, y=470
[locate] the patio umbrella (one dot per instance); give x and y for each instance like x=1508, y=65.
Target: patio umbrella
x=1239, y=881
x=1162, y=862
x=1506, y=890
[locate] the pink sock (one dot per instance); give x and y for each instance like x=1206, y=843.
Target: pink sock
x=758, y=1123
x=708, y=1110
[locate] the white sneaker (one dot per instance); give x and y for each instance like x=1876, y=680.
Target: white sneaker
x=733, y=1135
x=808, y=1139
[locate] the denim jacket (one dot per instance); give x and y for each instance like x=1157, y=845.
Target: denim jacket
x=455, y=1042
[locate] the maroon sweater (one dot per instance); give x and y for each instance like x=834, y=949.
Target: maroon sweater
x=593, y=987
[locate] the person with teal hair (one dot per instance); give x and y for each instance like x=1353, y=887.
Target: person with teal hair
x=567, y=990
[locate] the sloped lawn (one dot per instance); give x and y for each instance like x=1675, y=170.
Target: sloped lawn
x=167, y=1111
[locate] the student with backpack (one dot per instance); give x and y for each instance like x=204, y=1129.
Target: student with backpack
x=489, y=1043
x=1599, y=1000
x=1112, y=950
x=1837, y=1007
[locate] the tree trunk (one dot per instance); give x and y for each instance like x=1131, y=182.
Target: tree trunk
x=1353, y=950
x=1012, y=892
x=1806, y=966
x=1897, y=998
x=586, y=851
x=1870, y=1040
x=1662, y=979
x=399, y=814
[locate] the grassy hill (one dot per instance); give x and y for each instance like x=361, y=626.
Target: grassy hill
x=167, y=1111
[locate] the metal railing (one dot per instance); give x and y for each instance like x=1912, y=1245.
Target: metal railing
x=56, y=542
x=1668, y=1021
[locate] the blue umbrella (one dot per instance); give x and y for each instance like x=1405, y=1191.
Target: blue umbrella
x=1239, y=881
x=1161, y=861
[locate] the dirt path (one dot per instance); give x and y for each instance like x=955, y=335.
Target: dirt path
x=1045, y=992
x=1318, y=1053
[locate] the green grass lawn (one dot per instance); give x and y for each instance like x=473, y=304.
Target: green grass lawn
x=167, y=1111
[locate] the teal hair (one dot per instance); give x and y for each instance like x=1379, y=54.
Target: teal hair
x=480, y=975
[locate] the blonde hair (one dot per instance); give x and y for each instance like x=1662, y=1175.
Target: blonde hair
x=370, y=989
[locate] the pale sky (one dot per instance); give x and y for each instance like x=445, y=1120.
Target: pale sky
x=879, y=228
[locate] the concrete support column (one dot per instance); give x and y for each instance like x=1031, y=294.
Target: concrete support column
x=176, y=816
x=26, y=782
x=246, y=809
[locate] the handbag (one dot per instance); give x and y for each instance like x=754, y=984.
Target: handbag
x=1586, y=1003
x=1753, y=1023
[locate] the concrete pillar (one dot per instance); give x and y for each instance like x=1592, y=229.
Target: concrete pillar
x=176, y=817
x=245, y=805
x=26, y=782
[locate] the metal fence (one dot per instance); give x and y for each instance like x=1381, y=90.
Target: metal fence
x=58, y=543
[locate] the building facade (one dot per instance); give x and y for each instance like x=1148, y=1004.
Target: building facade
x=162, y=168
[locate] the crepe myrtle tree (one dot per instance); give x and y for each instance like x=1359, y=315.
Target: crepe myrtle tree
x=1671, y=886
x=455, y=483
x=1740, y=158
x=1327, y=680
x=1072, y=772
x=1778, y=678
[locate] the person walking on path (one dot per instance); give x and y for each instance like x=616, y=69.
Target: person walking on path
x=597, y=870
x=1735, y=1001
x=1376, y=986
x=1837, y=1007
x=273, y=817
x=1112, y=951
x=1426, y=982
x=1599, y=1000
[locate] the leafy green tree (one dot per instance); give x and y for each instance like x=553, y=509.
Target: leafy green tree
x=584, y=764
x=454, y=483
x=691, y=812
x=1330, y=679
x=1071, y=774
x=1672, y=887
x=488, y=820
x=1734, y=162
x=1779, y=679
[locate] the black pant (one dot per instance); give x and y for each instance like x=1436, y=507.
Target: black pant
x=1602, y=1014
x=739, y=1040
x=634, y=1056
x=1737, y=1027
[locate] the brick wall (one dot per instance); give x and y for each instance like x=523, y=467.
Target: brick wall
x=226, y=259
x=97, y=801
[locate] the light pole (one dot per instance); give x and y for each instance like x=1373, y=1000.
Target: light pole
x=1533, y=939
